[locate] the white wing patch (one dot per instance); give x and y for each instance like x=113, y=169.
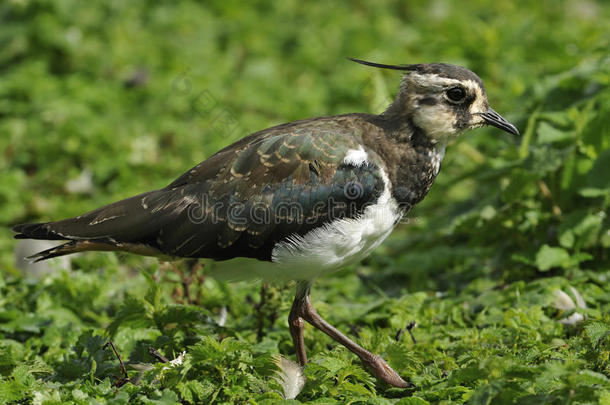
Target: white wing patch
x=338, y=243
x=356, y=157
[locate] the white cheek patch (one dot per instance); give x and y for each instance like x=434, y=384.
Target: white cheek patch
x=480, y=101
x=356, y=157
x=440, y=121
x=437, y=121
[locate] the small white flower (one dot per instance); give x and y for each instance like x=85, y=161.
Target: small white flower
x=178, y=360
x=564, y=302
x=290, y=376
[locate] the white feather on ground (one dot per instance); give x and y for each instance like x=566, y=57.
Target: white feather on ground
x=564, y=302
x=290, y=376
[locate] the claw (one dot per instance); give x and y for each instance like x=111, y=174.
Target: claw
x=382, y=370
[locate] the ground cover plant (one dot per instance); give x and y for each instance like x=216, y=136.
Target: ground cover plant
x=495, y=291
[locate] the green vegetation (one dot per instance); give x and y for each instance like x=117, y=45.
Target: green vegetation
x=134, y=93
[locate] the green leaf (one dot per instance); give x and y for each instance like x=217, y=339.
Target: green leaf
x=521, y=184
x=581, y=229
x=194, y=391
x=133, y=311
x=168, y=397
x=590, y=377
x=413, y=401
x=597, y=330
x=598, y=177
x=549, y=257
x=544, y=159
x=11, y=391
x=549, y=134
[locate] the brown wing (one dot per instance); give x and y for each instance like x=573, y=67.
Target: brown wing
x=239, y=202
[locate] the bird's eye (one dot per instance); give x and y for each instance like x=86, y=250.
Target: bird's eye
x=456, y=94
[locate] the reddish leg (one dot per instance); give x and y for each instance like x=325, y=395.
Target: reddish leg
x=297, y=325
x=303, y=310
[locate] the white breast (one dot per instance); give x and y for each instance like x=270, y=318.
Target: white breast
x=337, y=243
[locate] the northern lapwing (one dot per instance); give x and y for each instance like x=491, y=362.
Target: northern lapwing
x=309, y=196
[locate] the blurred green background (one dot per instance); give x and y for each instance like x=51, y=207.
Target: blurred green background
x=101, y=100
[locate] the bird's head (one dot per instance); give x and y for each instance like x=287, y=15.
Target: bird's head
x=443, y=100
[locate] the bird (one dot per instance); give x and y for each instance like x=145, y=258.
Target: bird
x=309, y=196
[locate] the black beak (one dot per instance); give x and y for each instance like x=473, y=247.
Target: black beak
x=493, y=118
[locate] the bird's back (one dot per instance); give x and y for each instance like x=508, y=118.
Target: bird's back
x=271, y=186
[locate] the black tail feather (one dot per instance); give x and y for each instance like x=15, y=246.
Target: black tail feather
x=130, y=225
x=61, y=250
x=38, y=230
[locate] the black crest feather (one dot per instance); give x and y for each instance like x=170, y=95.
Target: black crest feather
x=383, y=66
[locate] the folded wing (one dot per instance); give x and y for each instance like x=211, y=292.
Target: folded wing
x=240, y=202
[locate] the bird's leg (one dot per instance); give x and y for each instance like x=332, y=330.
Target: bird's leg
x=296, y=325
x=303, y=310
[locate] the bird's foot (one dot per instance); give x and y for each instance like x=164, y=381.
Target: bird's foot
x=382, y=370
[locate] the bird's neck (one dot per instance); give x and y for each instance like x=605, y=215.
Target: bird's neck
x=413, y=159
x=396, y=112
